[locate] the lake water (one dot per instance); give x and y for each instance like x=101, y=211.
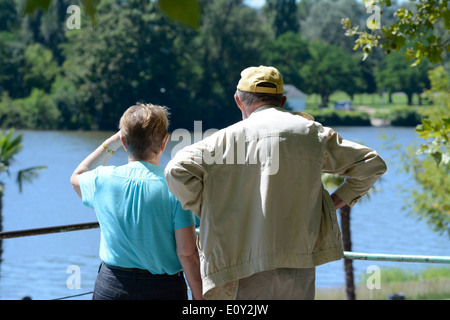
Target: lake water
x=40, y=266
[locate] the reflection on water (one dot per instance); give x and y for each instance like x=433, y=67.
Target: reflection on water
x=37, y=266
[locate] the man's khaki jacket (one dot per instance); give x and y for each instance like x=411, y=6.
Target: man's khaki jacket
x=256, y=186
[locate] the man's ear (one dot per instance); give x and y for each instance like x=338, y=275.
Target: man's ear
x=283, y=101
x=238, y=102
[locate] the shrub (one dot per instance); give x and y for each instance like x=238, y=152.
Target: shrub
x=330, y=117
x=404, y=116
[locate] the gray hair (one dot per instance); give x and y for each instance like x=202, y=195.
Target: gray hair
x=251, y=98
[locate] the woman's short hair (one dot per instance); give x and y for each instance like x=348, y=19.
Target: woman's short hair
x=144, y=128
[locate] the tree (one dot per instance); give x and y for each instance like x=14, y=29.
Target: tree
x=395, y=75
x=230, y=39
x=8, y=14
x=323, y=21
x=46, y=27
x=326, y=76
x=332, y=181
x=10, y=146
x=344, y=212
x=289, y=53
x=11, y=62
x=39, y=69
x=283, y=14
x=129, y=56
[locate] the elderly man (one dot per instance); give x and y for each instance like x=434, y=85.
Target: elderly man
x=266, y=219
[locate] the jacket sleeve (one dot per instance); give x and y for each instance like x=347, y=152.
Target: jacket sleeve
x=185, y=174
x=360, y=165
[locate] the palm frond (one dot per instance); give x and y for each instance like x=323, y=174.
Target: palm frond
x=27, y=175
x=9, y=147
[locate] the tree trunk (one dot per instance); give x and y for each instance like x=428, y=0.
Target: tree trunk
x=324, y=100
x=410, y=96
x=347, y=243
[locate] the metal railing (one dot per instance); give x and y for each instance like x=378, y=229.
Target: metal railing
x=347, y=254
x=48, y=230
x=93, y=225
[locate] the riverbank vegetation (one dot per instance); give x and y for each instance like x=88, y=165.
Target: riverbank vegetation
x=398, y=283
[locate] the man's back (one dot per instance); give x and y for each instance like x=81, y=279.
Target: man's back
x=257, y=187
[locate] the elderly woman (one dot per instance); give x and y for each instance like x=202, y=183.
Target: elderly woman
x=147, y=239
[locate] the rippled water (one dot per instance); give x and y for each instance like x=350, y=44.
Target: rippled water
x=37, y=266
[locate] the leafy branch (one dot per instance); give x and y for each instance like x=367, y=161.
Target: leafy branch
x=413, y=30
x=184, y=11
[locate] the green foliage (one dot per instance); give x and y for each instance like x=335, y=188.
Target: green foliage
x=185, y=11
x=32, y=5
x=10, y=65
x=331, y=117
x=422, y=30
x=322, y=21
x=435, y=127
x=289, y=52
x=40, y=70
x=221, y=50
x=9, y=147
x=429, y=164
x=395, y=75
x=283, y=14
x=66, y=99
x=138, y=51
x=391, y=274
x=122, y=60
x=404, y=116
x=11, y=113
x=38, y=110
x=8, y=14
x=326, y=76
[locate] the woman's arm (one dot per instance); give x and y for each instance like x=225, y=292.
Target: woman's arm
x=97, y=158
x=188, y=255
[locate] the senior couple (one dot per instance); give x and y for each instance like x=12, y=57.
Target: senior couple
x=262, y=232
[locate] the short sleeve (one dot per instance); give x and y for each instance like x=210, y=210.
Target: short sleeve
x=183, y=218
x=88, y=182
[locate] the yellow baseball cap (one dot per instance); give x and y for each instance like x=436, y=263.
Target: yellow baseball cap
x=252, y=77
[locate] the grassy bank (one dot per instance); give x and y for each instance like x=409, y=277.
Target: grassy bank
x=367, y=110
x=374, y=100
x=428, y=284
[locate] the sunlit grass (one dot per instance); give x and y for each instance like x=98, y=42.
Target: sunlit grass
x=430, y=283
x=370, y=100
